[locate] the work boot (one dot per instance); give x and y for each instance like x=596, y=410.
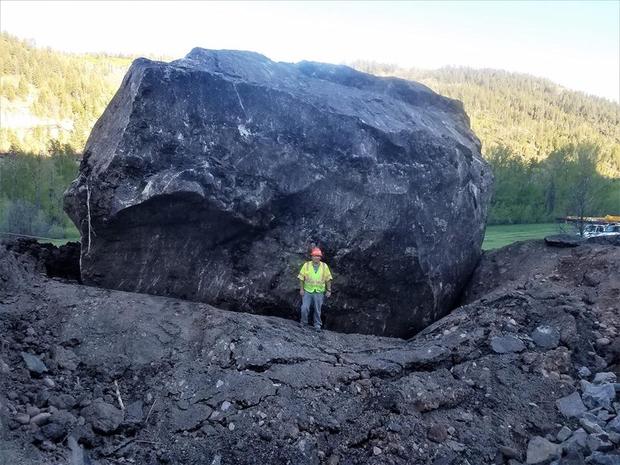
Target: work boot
x=317, y=328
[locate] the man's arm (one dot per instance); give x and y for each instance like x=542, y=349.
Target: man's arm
x=328, y=282
x=301, y=276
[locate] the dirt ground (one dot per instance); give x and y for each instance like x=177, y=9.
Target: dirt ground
x=90, y=375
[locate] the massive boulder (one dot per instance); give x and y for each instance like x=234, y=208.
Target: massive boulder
x=210, y=177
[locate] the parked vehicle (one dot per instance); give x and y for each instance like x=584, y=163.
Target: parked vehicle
x=608, y=225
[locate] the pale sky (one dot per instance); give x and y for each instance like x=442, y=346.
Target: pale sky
x=576, y=44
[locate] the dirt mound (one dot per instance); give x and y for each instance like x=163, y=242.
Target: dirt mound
x=59, y=262
x=522, y=372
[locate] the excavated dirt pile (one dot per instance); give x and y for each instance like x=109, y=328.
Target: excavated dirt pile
x=525, y=371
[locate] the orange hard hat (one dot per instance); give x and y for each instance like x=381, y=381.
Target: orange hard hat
x=316, y=252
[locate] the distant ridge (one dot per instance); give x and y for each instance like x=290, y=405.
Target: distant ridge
x=529, y=115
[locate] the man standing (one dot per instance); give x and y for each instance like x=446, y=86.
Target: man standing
x=314, y=284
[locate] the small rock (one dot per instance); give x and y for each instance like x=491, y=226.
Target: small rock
x=614, y=425
x=597, y=395
x=4, y=368
x=576, y=441
x=614, y=437
x=604, y=415
x=291, y=431
x=62, y=401
x=33, y=410
x=41, y=418
x=593, y=418
x=455, y=445
x=546, y=337
x=603, y=341
x=604, y=378
x=599, y=363
x=571, y=405
x=54, y=431
x=225, y=406
x=334, y=459
x=437, y=433
x=509, y=452
x=23, y=419
x=584, y=372
x=104, y=417
x=47, y=446
x=394, y=427
x=507, y=344
x=601, y=458
x=540, y=450
x=564, y=434
x=33, y=363
x=590, y=297
x=231, y=426
x=376, y=450
x=49, y=382
x=134, y=412
x=599, y=442
x=590, y=279
x=590, y=426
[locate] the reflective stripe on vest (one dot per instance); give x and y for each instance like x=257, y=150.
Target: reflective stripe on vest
x=313, y=281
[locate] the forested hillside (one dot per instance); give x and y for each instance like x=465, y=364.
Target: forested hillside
x=542, y=141
x=528, y=115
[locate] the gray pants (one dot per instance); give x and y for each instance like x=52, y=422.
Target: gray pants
x=317, y=299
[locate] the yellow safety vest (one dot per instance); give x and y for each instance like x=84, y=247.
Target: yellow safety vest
x=314, y=281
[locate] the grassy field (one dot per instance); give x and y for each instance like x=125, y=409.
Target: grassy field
x=501, y=235
x=495, y=237
x=59, y=242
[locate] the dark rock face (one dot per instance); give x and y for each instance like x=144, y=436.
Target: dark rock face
x=211, y=176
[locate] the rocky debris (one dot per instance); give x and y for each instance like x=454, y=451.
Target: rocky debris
x=201, y=384
x=60, y=262
x=563, y=240
x=597, y=434
x=223, y=158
